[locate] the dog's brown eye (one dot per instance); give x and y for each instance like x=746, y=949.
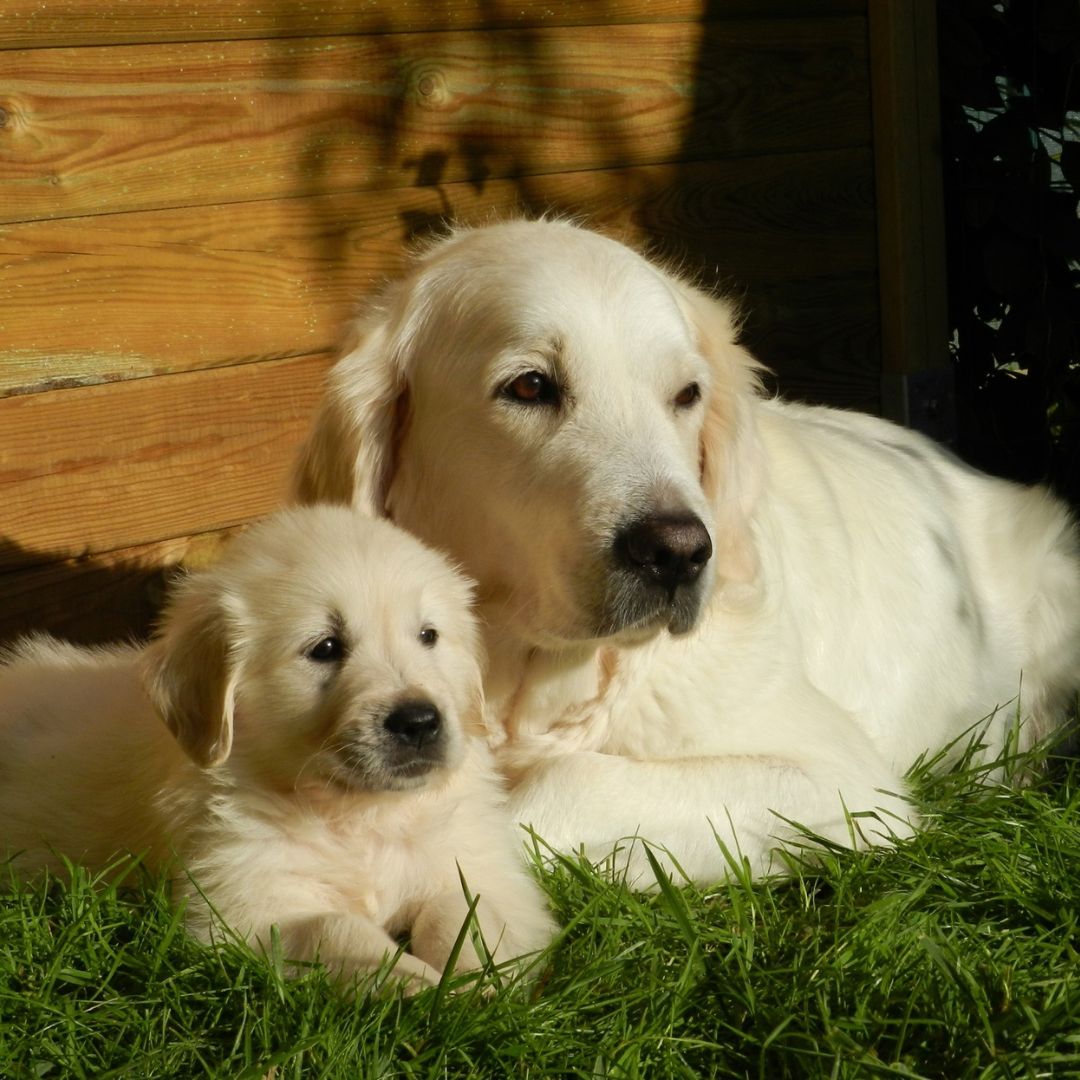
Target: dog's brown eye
x=687, y=396
x=327, y=651
x=532, y=388
x=428, y=636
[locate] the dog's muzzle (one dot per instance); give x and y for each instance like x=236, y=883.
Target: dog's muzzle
x=394, y=750
x=415, y=743
x=659, y=562
x=665, y=551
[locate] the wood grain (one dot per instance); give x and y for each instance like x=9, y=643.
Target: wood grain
x=126, y=296
x=100, y=130
x=32, y=23
x=103, y=597
x=101, y=468
x=907, y=150
x=820, y=338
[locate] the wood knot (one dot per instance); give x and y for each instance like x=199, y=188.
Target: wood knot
x=429, y=89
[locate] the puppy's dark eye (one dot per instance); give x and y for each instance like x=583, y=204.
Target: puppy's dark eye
x=689, y=395
x=532, y=388
x=327, y=651
x=428, y=636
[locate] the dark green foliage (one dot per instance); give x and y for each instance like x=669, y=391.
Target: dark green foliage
x=1010, y=75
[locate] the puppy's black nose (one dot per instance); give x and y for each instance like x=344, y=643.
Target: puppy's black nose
x=668, y=550
x=416, y=724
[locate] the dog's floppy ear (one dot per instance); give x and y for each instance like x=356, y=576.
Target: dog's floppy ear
x=474, y=719
x=469, y=663
x=730, y=451
x=190, y=673
x=349, y=455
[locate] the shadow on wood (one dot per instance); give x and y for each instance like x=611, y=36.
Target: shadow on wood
x=95, y=598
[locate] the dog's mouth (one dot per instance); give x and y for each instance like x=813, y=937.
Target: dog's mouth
x=632, y=611
x=417, y=770
x=388, y=776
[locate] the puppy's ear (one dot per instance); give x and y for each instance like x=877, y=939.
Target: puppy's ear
x=349, y=456
x=189, y=673
x=730, y=450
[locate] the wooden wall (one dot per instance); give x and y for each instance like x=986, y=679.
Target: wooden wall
x=194, y=194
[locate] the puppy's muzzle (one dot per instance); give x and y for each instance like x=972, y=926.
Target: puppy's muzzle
x=394, y=748
x=665, y=551
x=416, y=726
x=414, y=741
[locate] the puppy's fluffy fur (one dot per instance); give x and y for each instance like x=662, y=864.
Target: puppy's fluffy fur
x=709, y=614
x=301, y=737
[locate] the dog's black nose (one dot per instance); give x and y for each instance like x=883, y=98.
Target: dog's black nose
x=416, y=724
x=668, y=550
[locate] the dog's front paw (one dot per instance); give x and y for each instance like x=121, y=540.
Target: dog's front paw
x=557, y=801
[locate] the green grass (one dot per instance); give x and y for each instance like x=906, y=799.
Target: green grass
x=953, y=956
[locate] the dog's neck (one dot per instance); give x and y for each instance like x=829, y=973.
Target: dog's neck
x=543, y=701
x=523, y=679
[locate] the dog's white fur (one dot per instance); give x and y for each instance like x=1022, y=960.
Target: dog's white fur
x=271, y=775
x=869, y=597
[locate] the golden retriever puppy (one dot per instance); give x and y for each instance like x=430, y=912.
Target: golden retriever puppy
x=709, y=614
x=302, y=736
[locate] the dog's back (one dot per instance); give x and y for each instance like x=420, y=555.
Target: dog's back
x=949, y=593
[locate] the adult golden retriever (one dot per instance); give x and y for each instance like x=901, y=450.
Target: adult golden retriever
x=302, y=737
x=708, y=614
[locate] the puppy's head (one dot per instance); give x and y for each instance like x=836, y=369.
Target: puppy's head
x=326, y=652
x=566, y=419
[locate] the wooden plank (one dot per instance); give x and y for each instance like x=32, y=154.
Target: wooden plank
x=126, y=296
x=821, y=339
x=98, y=130
x=770, y=219
x=907, y=150
x=32, y=23
x=100, y=598
x=100, y=468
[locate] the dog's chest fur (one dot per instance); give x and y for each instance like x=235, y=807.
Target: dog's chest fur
x=380, y=856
